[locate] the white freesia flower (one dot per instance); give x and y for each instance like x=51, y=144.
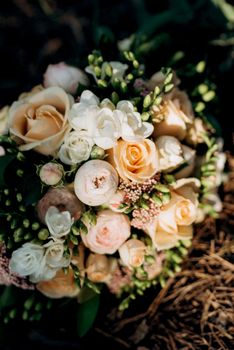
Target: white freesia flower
x=96, y=182
x=76, y=148
x=28, y=260
x=170, y=152
x=54, y=254
x=58, y=223
x=132, y=127
x=82, y=115
x=118, y=70
x=107, y=128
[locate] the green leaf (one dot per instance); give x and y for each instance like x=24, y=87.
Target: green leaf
x=30, y=188
x=4, y=162
x=86, y=315
x=8, y=297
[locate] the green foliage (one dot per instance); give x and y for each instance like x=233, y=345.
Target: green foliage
x=4, y=162
x=86, y=315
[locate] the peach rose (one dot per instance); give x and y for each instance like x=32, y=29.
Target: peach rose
x=175, y=220
x=62, y=285
x=132, y=253
x=109, y=233
x=136, y=161
x=39, y=121
x=99, y=268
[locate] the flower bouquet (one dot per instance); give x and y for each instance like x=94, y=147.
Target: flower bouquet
x=102, y=179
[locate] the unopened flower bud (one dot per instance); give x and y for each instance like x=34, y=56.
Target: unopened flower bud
x=51, y=173
x=97, y=153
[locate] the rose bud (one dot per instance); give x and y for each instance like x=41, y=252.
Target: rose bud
x=132, y=253
x=98, y=268
x=51, y=173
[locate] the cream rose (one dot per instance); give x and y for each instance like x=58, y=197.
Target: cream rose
x=99, y=267
x=39, y=121
x=64, y=76
x=136, y=161
x=170, y=152
x=132, y=253
x=96, y=182
x=54, y=254
x=109, y=233
x=175, y=220
x=76, y=148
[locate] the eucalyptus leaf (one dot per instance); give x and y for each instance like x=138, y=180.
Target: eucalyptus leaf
x=86, y=315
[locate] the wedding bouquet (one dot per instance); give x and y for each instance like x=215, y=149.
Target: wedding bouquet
x=102, y=180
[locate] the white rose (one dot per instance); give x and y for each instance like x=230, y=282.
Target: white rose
x=58, y=223
x=174, y=121
x=132, y=253
x=28, y=260
x=96, y=182
x=76, y=148
x=170, y=152
x=65, y=76
x=132, y=127
x=189, y=156
x=54, y=254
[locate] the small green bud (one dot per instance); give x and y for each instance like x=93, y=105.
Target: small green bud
x=166, y=198
x=19, y=197
x=13, y=224
x=102, y=84
x=20, y=156
x=200, y=106
x=157, y=101
x=7, y=203
x=28, y=303
x=157, y=200
x=162, y=281
x=150, y=259
x=91, y=59
x=75, y=231
x=28, y=236
x=168, y=79
x=177, y=268
x=74, y=239
x=12, y=313
x=43, y=234
x=156, y=91
x=135, y=64
x=161, y=188
x=146, y=196
x=169, y=178
x=6, y=192
x=147, y=101
x=186, y=242
x=97, y=71
x=25, y=315
x=114, y=97
x=168, y=87
x=130, y=77
x=99, y=59
x=97, y=153
x=123, y=87
x=208, y=96
x=35, y=226
x=26, y=223
x=176, y=258
x=108, y=70
x=38, y=307
x=200, y=67
x=22, y=208
x=145, y=116
x=202, y=89
x=19, y=172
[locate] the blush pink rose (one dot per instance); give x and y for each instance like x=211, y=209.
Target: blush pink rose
x=109, y=233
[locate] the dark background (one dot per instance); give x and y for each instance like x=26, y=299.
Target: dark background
x=36, y=33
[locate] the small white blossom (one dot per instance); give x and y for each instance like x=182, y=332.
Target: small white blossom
x=58, y=223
